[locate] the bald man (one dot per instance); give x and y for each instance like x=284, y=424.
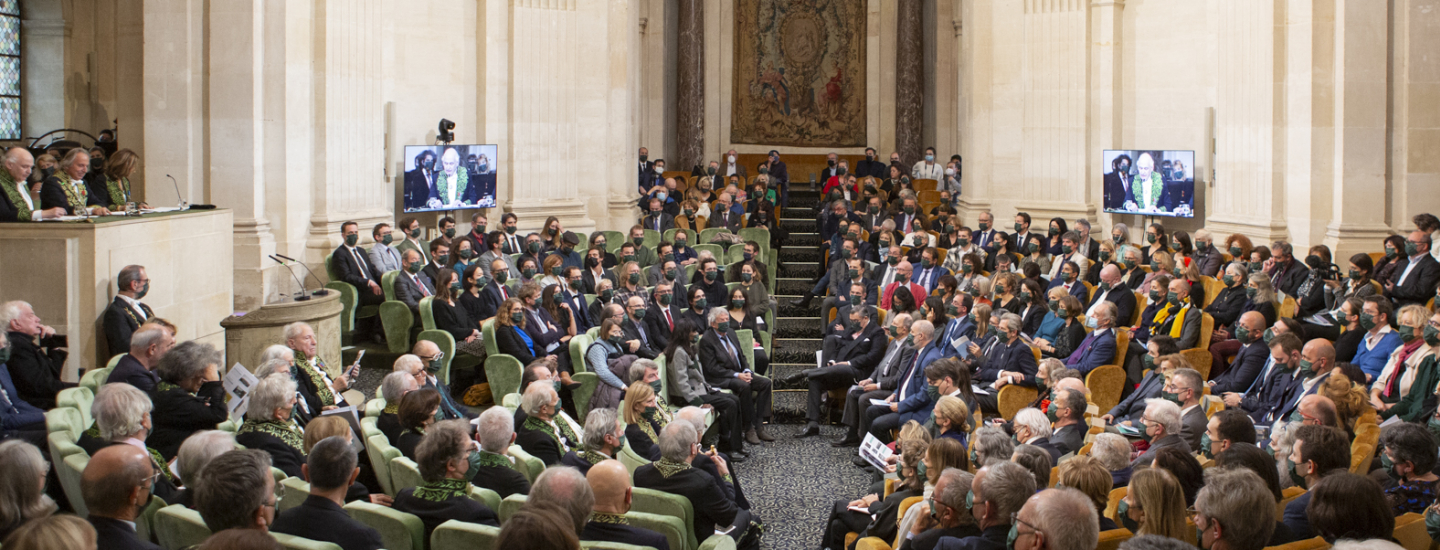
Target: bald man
x=1250, y=332
x=429, y=354
x=117, y=484
x=16, y=204
x=1317, y=359
x=1112, y=288
x=610, y=482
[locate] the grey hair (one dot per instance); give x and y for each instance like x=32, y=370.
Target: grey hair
x=598, y=424
x=128, y=275
x=903, y=320
x=923, y=327
x=1202, y=233
x=497, y=424
x=695, y=416
x=957, y=484
x=1127, y=249
x=23, y=499
x=991, y=444
x=408, y=363
x=119, y=410
x=199, y=449
x=565, y=487
x=539, y=394
x=1167, y=416
x=1012, y=320
x=331, y=462
x=277, y=351
x=1264, y=290
x=270, y=394
x=1008, y=485
x=638, y=368
x=394, y=386
x=1154, y=542
x=270, y=367
x=1068, y=519
x=187, y=360
x=231, y=489
x=713, y=314
x=292, y=330
x=1190, y=378
x=1082, y=222
x=10, y=311
x=1034, y=420
x=147, y=336
x=1111, y=450
x=676, y=440
x=1239, y=500
x=1239, y=270
x=1105, y=310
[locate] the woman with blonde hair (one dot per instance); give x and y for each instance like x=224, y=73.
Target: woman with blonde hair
x=643, y=420
x=1351, y=401
x=1161, y=263
x=22, y=492
x=62, y=532
x=1397, y=379
x=118, y=169
x=1154, y=505
x=951, y=418
x=981, y=314
x=1089, y=476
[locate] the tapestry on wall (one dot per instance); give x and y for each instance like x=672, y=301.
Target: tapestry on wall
x=799, y=73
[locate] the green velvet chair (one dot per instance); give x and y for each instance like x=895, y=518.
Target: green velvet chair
x=381, y=453
x=369, y=426
x=296, y=491
x=758, y=234
x=398, y=530
x=79, y=399
x=578, y=345
x=529, y=465
x=489, y=498
x=374, y=407
x=65, y=419
x=349, y=298
x=734, y=255
x=227, y=426
x=446, y=342
x=503, y=373
x=674, y=530
x=145, y=522
x=709, y=233
x=61, y=446
x=730, y=287
x=715, y=250
x=652, y=238
x=770, y=262
x=427, y=313
x=459, y=535
x=69, y=470
x=397, y=321
x=95, y=378
x=588, y=382
x=179, y=527
x=670, y=234
x=650, y=501
x=598, y=545
x=690, y=271
x=404, y=474
x=631, y=460
x=510, y=505
x=747, y=345
x=291, y=542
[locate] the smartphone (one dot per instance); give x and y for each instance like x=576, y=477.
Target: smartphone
x=355, y=368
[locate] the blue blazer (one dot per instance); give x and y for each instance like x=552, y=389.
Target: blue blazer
x=965, y=327
x=1243, y=369
x=580, y=310
x=1094, y=352
x=1291, y=399
x=1266, y=395
x=916, y=374
x=1015, y=357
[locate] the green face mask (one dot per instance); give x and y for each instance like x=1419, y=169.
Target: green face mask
x=1062, y=312
x=655, y=386
x=1307, y=368
x=1054, y=305
x=1242, y=334
x=853, y=273
x=1067, y=249
x=1053, y=413
x=1411, y=249
x=350, y=240
x=1205, y=444
x=534, y=247
x=1171, y=397
x=415, y=233
x=1431, y=336
x=1104, y=256
x=854, y=300
x=933, y=392
x=639, y=314
x=722, y=327
x=962, y=242
x=1147, y=362
x=456, y=287
x=414, y=267
x=737, y=304
x=650, y=411
x=1367, y=321
x=607, y=295
x=627, y=258
x=1033, y=248
x=1128, y=263
x=884, y=244
x=699, y=304
x=1256, y=267
x=517, y=317
x=1154, y=296
x=1150, y=238
x=1407, y=334
x=893, y=260
x=528, y=272
x=1123, y=512
x=665, y=300
x=671, y=274
x=1295, y=476
x=966, y=268
x=1018, y=227
x=1228, y=280
x=1010, y=538
x=634, y=278
x=1235, y=252
x=387, y=239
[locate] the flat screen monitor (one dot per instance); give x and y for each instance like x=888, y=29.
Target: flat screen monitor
x=449, y=177
x=1149, y=182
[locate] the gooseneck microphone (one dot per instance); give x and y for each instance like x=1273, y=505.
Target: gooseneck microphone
x=317, y=292
x=300, y=295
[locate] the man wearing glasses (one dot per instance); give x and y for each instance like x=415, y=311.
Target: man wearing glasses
x=944, y=513
x=996, y=494
x=117, y=484
x=1234, y=511
x=1057, y=519
x=1162, y=429
x=240, y=495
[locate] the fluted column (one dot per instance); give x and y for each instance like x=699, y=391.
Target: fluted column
x=1358, y=221
x=909, y=80
x=690, y=86
x=1105, y=87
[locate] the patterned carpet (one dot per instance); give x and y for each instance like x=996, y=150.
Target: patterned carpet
x=790, y=484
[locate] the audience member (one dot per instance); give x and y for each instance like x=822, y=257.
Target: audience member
x=126, y=313
x=1349, y=506
x=1113, y=451
x=443, y=460
x=58, y=532
x=37, y=355
x=538, y=528
x=237, y=491
x=197, y=451
x=1233, y=511
x=945, y=513
x=603, y=439
x=417, y=413
x=1318, y=452
x=331, y=467
x=18, y=418
x=997, y=493
x=674, y=474
x=541, y=434
x=1056, y=519
x=609, y=483
x=1089, y=476
x=189, y=397
x=1161, y=429
x=1408, y=457
x=1155, y=504
x=22, y=492
x=268, y=426
x=496, y=469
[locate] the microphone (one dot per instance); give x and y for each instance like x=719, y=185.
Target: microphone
x=183, y=204
x=318, y=292
x=300, y=295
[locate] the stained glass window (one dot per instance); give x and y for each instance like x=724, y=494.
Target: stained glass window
x=9, y=69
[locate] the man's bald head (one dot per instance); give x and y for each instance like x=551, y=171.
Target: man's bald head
x=1072, y=384
x=1320, y=408
x=19, y=162
x=425, y=348
x=1180, y=287
x=1110, y=274
x=1253, y=321
x=610, y=482
x=695, y=416
x=1321, y=355
x=115, y=481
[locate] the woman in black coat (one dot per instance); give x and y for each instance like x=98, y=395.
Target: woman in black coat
x=189, y=396
x=417, y=412
x=451, y=317
x=510, y=335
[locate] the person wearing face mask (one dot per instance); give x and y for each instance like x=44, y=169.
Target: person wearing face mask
x=1132, y=407
x=420, y=182
x=1422, y=376
x=1245, y=374
x=1008, y=361
x=945, y=514
x=385, y=257
x=927, y=168
x=839, y=178
x=845, y=359
x=544, y=434
x=492, y=292
x=1233, y=511
x=1317, y=361
x=1408, y=458
x=1416, y=275
x=117, y=484
x=451, y=317
x=122, y=417
x=412, y=285
x=1162, y=428
x=731, y=166
x=997, y=493
x=439, y=259
x=410, y=237
x=726, y=366
x=604, y=436
x=652, y=180
x=353, y=266
x=655, y=216
x=1380, y=340
x=126, y=312
x=268, y=425
x=871, y=166
x=1319, y=451
x=446, y=228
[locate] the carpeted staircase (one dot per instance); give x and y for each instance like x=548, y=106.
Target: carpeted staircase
x=798, y=331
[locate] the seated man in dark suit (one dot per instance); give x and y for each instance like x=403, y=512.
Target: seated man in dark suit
x=66, y=188
x=18, y=418
x=655, y=216
x=541, y=434
x=122, y=417
x=1246, y=366
x=268, y=426
x=1162, y=429
x=1415, y=277
x=847, y=358
x=35, y=368
x=662, y=315
x=412, y=285
x=1112, y=288
x=861, y=298
x=610, y=483
x=1318, y=451
x=1098, y=348
x=1185, y=387
x=125, y=313
x=944, y=514
x=443, y=459
x=116, y=486
x=1268, y=391
x=1068, y=406
x=999, y=490
x=331, y=468
x=495, y=293
x=726, y=367
x=137, y=368
x=352, y=264
x=1032, y=428
x=496, y=469
x=1008, y=361
x=638, y=340
x=674, y=474
x=604, y=433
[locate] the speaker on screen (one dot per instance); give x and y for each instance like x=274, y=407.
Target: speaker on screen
x=1149, y=182
x=449, y=177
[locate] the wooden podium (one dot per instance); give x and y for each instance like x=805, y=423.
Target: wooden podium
x=248, y=334
x=67, y=271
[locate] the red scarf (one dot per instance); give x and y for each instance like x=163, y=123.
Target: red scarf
x=1393, y=386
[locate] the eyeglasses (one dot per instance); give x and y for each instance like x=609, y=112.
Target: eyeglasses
x=1015, y=519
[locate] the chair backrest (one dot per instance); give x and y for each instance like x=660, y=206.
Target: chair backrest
x=530, y=466
x=510, y=505
x=404, y=473
x=1012, y=398
x=503, y=372
x=459, y=535
x=69, y=470
x=374, y=407
x=487, y=333
x=747, y=345
x=62, y=445
x=600, y=545
x=145, y=522
x=630, y=459
x=292, y=542
x=665, y=504
x=1288, y=495
x=296, y=491
x=578, y=344
x=588, y=382
x=96, y=378
x=387, y=284
x=1199, y=358
x=489, y=498
x=381, y=453
x=179, y=527
x=672, y=527
x=1105, y=384
x=1110, y=540
x=1316, y=543
x=398, y=530
x=1410, y=531
x=427, y=313
x=79, y=398
x=446, y=342
x=1113, y=503
x=65, y=419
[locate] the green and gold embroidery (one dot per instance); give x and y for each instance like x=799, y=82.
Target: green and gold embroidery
x=13, y=192
x=284, y=431
x=119, y=192
x=543, y=426
x=616, y=519
x=164, y=386
x=442, y=185
x=312, y=370
x=442, y=490
x=76, y=195
x=594, y=458
x=493, y=460
x=392, y=408
x=158, y=461
x=668, y=467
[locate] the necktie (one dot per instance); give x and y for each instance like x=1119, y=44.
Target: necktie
x=657, y=223
x=504, y=293
x=726, y=341
x=423, y=291
x=360, y=262
x=668, y=320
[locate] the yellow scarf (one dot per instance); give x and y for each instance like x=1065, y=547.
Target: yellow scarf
x=1164, y=314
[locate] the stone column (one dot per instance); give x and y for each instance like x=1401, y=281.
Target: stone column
x=42, y=33
x=909, y=80
x=161, y=100
x=1358, y=221
x=690, y=87
x=1106, y=84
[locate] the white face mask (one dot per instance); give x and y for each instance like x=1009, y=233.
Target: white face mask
x=659, y=169
x=732, y=159
x=949, y=171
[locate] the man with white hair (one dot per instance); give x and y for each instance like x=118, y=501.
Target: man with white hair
x=610, y=484
x=268, y=426
x=16, y=204
x=674, y=474
x=496, y=470
x=18, y=418
x=1206, y=254
x=1233, y=510
x=312, y=375
x=718, y=464
x=137, y=368
x=1098, y=347
x=945, y=513
x=604, y=436
x=426, y=370
x=997, y=493
x=564, y=488
x=36, y=355
x=542, y=435
x=1007, y=361
x=195, y=453
x=726, y=367
x=1113, y=451
x=392, y=389
x=1058, y=519
x=1162, y=429
x=122, y=417
x=1032, y=427
x=1112, y=289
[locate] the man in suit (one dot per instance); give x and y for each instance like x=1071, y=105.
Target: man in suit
x=18, y=418
x=655, y=216
x=1086, y=245
x=1246, y=366
x=843, y=283
x=540, y=434
x=675, y=474
x=726, y=367
x=126, y=313
x=497, y=471
x=668, y=272
x=1162, y=429
x=646, y=172
x=1317, y=361
x=780, y=176
x=634, y=329
x=1209, y=257
x=1098, y=348
x=420, y=182
x=1118, y=181
x=845, y=359
x=1318, y=451
x=16, y=204
x=884, y=273
x=984, y=235
x=426, y=371
x=1415, y=277
x=439, y=258
x=883, y=418
x=137, y=368
x=353, y=266
x=960, y=324
x=66, y=188
x=1032, y=427
x=882, y=382
x=1069, y=278
x=331, y=468
x=36, y=355
x=1112, y=288
x=574, y=298
x=116, y=486
x=1268, y=390
x=945, y=514
x=723, y=215
x=902, y=278
x=496, y=292
x=610, y=483
x=873, y=218
x=1285, y=273
x=928, y=276
x=1067, y=406
x=1185, y=386
x=604, y=436
x=1000, y=490
x=663, y=315
x=860, y=296
x=122, y=417
x=412, y=285
x=1008, y=361
x=385, y=257
x=1022, y=232
x=1132, y=407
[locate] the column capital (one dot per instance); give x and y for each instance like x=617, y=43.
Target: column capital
x=45, y=27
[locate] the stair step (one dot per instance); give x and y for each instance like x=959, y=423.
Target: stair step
x=798, y=327
x=803, y=240
x=801, y=270
x=797, y=225
x=779, y=372
x=793, y=286
x=795, y=350
x=788, y=407
x=802, y=212
x=789, y=310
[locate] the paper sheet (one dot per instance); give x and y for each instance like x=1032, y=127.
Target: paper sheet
x=875, y=452
x=879, y=402
x=962, y=346
x=238, y=383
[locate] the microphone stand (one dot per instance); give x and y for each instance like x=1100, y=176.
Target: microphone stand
x=300, y=295
x=185, y=205
x=317, y=292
